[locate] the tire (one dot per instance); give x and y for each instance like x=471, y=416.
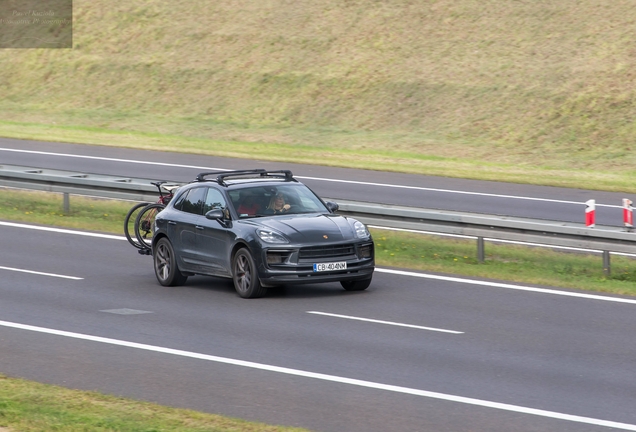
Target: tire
x=165, y=263
x=245, y=276
x=356, y=285
x=144, y=224
x=129, y=224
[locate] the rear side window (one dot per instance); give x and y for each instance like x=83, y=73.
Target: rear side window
x=191, y=201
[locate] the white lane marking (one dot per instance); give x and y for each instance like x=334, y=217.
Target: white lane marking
x=40, y=273
x=380, y=270
x=331, y=378
x=312, y=178
x=384, y=322
x=505, y=285
x=493, y=240
x=140, y=162
x=61, y=230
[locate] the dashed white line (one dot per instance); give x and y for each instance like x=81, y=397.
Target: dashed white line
x=330, y=378
x=384, y=322
x=40, y=273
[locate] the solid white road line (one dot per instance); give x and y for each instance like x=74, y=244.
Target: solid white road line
x=384, y=322
x=493, y=240
x=61, y=230
x=331, y=378
x=505, y=285
x=132, y=161
x=40, y=273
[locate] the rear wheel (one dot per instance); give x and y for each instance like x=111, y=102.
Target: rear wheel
x=356, y=285
x=245, y=276
x=165, y=261
x=145, y=223
x=129, y=224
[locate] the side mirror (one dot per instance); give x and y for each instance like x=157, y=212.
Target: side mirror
x=216, y=214
x=332, y=206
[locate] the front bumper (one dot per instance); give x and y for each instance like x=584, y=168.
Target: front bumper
x=296, y=265
x=302, y=277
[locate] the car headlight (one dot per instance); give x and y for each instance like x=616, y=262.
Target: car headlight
x=271, y=236
x=361, y=230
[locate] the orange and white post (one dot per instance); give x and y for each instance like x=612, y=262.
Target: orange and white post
x=590, y=213
x=628, y=213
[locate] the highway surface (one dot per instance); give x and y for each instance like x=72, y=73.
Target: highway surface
x=415, y=352
x=507, y=199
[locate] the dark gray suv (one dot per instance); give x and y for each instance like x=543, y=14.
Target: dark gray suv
x=262, y=229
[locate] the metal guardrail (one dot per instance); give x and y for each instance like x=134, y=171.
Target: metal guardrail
x=479, y=226
x=69, y=182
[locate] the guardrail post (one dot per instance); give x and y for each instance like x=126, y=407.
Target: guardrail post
x=606, y=263
x=67, y=203
x=481, y=253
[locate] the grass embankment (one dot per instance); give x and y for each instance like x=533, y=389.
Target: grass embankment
x=26, y=406
x=536, y=92
x=394, y=249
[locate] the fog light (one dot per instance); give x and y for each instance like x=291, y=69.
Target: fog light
x=365, y=251
x=274, y=258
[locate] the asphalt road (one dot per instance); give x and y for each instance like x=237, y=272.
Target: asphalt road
x=432, y=354
x=507, y=199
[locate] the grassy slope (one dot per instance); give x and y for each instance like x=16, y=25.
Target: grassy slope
x=483, y=89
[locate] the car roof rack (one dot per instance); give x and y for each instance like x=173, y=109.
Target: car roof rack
x=247, y=174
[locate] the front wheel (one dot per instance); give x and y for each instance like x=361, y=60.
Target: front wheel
x=356, y=285
x=245, y=276
x=166, y=269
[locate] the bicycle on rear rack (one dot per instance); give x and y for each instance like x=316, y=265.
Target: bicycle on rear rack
x=141, y=217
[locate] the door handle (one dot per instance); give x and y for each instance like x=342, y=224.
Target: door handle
x=199, y=227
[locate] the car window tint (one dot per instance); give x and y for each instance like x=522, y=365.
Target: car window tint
x=193, y=202
x=179, y=201
x=214, y=200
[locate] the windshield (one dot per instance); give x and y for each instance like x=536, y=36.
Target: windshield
x=272, y=200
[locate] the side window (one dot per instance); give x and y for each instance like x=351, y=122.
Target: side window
x=214, y=200
x=193, y=201
x=178, y=204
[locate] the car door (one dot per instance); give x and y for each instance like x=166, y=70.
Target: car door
x=183, y=232
x=214, y=237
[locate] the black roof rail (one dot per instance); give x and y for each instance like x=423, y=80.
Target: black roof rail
x=258, y=173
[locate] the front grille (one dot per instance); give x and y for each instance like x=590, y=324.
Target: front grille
x=327, y=252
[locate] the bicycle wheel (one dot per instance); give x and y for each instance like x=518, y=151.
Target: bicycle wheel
x=144, y=224
x=129, y=224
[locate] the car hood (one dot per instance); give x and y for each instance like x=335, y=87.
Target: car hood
x=311, y=229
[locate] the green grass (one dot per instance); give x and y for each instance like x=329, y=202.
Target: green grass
x=27, y=406
x=394, y=249
x=532, y=92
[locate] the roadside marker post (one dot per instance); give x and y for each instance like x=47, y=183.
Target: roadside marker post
x=628, y=213
x=590, y=213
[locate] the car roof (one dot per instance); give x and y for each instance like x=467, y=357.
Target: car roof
x=230, y=178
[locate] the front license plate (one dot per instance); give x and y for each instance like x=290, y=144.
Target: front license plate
x=330, y=266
